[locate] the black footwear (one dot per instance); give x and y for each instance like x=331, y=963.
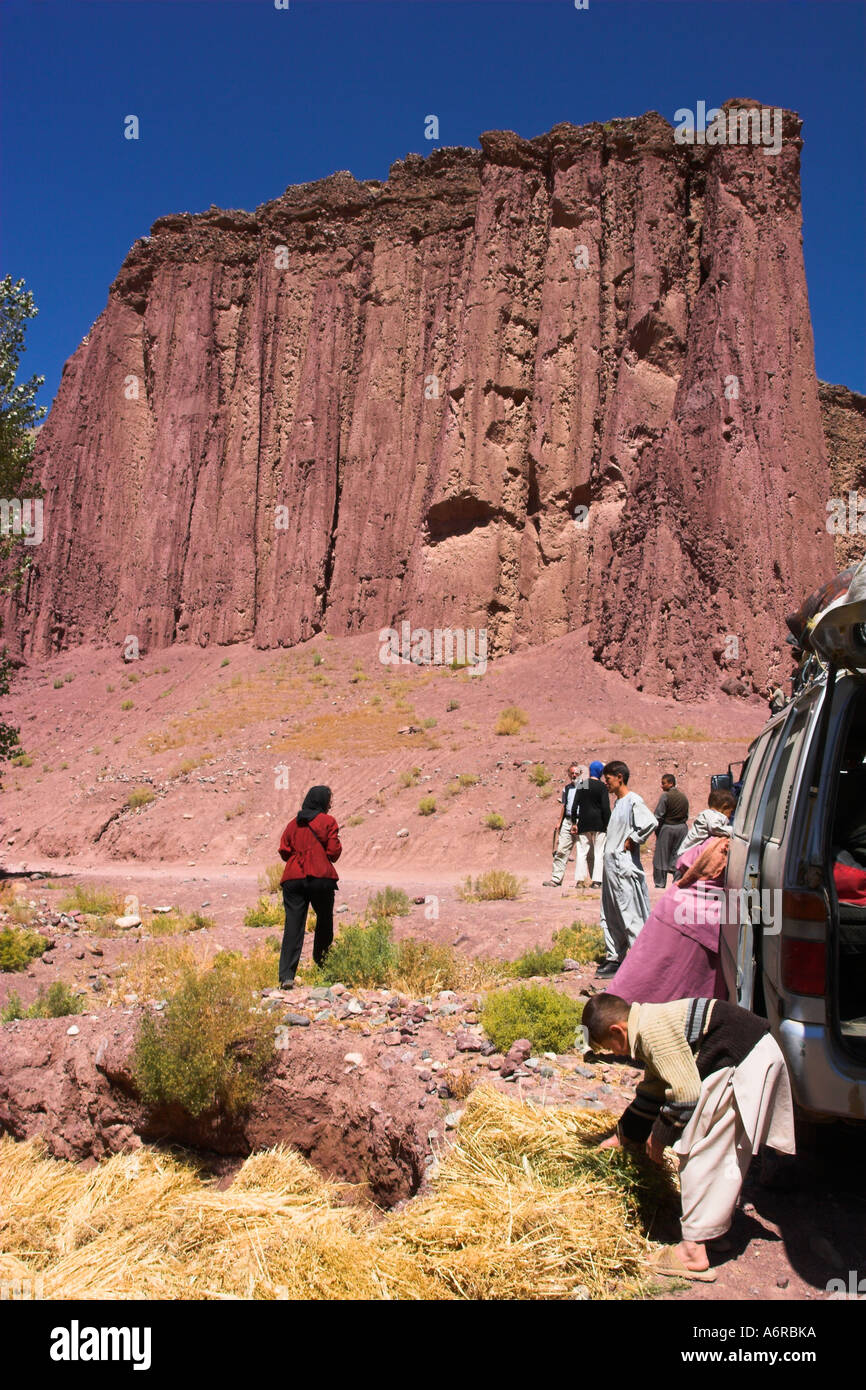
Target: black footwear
x=287, y=984
x=608, y=970
x=549, y=883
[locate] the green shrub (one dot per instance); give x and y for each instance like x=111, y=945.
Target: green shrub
x=22, y=760
x=494, y=821
x=490, y=886
x=429, y=723
x=175, y=923
x=126, y=704
x=511, y=720
x=317, y=658
x=409, y=778
x=58, y=1001
x=264, y=914
x=355, y=820
x=58, y=684
x=18, y=947
x=452, y=705
x=140, y=797
x=577, y=942
x=208, y=1050
x=98, y=902
x=539, y=774
x=361, y=955
x=468, y=779
x=547, y=1018
x=426, y=806
x=388, y=902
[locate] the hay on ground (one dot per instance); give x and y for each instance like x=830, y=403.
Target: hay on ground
x=522, y=1207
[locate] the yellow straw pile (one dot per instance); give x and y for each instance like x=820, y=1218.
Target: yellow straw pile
x=522, y=1207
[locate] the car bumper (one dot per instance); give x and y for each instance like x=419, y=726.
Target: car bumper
x=825, y=1084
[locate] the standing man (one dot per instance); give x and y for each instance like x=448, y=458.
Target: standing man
x=624, y=895
x=565, y=834
x=591, y=811
x=672, y=814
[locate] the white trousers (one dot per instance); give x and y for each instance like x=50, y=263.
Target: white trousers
x=590, y=845
x=739, y=1109
x=583, y=844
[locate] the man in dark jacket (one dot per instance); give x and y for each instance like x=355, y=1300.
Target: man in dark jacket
x=591, y=813
x=310, y=846
x=672, y=814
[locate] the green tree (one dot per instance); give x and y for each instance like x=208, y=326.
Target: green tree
x=19, y=416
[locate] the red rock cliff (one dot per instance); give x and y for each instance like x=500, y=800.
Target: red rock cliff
x=430, y=375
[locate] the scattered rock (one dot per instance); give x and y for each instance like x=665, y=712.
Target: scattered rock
x=569, y=964
x=356, y=1058
x=125, y=923
x=453, y=1119
x=402, y=834
x=296, y=1020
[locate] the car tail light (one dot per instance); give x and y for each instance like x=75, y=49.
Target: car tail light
x=803, y=965
x=804, y=907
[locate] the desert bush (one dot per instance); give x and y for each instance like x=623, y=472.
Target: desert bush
x=355, y=820
x=317, y=658
x=361, y=955
x=511, y=720
x=58, y=684
x=264, y=914
x=468, y=779
x=208, y=1050
x=58, y=1001
x=18, y=947
x=494, y=884
x=22, y=760
x=429, y=723
x=547, y=1018
x=494, y=821
x=407, y=779
x=539, y=774
x=270, y=879
x=97, y=902
x=452, y=788
x=388, y=902
x=420, y=967
x=686, y=733
x=426, y=806
x=126, y=704
x=452, y=705
x=140, y=797
x=578, y=942
x=175, y=923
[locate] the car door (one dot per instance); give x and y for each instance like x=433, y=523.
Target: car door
x=735, y=953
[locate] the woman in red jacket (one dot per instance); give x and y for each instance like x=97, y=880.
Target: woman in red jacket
x=310, y=847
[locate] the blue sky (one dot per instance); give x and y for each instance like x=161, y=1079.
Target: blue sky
x=236, y=100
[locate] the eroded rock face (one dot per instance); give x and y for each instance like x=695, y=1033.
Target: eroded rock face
x=844, y=416
x=553, y=382
x=76, y=1092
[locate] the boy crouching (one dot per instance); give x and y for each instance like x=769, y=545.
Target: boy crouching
x=715, y=1087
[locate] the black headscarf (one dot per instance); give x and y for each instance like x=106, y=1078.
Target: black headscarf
x=317, y=801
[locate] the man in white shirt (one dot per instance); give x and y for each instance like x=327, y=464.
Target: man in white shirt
x=565, y=834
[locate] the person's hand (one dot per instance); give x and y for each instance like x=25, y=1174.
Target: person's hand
x=629, y=844
x=574, y=832
x=655, y=1149
x=612, y=1143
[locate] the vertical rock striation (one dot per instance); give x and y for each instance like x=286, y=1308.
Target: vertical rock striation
x=552, y=383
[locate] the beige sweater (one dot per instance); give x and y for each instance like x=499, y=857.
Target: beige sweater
x=669, y=1091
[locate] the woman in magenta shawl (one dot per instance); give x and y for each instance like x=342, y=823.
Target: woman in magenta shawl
x=676, y=955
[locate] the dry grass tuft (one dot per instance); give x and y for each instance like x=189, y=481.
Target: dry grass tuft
x=522, y=1208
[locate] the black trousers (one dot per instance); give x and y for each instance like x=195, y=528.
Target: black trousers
x=298, y=895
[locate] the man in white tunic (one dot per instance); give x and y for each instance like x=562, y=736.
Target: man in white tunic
x=625, y=903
